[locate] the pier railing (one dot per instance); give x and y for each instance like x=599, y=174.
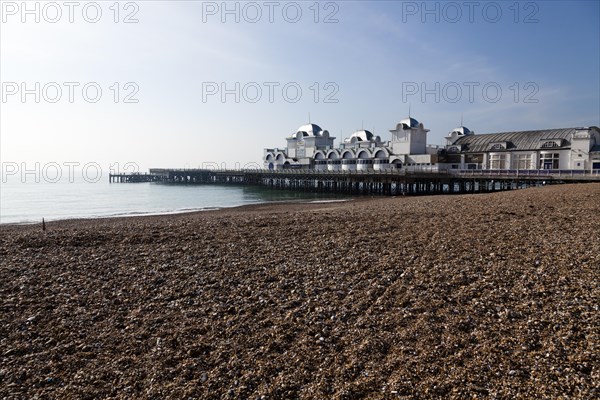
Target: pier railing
x=371, y=181
x=593, y=174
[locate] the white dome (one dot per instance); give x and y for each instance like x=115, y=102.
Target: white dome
x=410, y=123
x=462, y=130
x=310, y=130
x=361, y=136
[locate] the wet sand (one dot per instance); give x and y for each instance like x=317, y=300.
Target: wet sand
x=489, y=296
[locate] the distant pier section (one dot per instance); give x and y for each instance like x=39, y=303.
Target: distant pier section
x=400, y=182
x=135, y=177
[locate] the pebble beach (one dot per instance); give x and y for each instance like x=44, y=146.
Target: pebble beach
x=467, y=296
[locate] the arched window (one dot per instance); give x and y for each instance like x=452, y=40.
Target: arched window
x=549, y=145
x=380, y=154
x=363, y=154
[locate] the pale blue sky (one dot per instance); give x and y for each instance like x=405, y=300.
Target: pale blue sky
x=374, y=54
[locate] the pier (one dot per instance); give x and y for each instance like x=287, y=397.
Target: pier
x=392, y=183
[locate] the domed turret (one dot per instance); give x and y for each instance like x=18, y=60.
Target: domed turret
x=409, y=122
x=462, y=131
x=458, y=133
x=310, y=130
x=360, y=136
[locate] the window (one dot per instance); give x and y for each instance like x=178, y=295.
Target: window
x=549, y=145
x=521, y=161
x=473, y=158
x=549, y=160
x=497, y=146
x=497, y=161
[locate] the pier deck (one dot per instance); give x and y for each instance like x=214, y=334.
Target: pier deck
x=402, y=182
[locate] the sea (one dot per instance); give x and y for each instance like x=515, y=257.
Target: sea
x=26, y=200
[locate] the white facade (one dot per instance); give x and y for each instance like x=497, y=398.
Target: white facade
x=568, y=149
x=310, y=147
x=409, y=137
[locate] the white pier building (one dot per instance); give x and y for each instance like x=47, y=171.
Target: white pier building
x=310, y=147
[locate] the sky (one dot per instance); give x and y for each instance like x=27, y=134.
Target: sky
x=188, y=84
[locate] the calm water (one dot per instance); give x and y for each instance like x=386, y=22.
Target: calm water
x=28, y=202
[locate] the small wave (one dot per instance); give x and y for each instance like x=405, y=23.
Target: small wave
x=328, y=201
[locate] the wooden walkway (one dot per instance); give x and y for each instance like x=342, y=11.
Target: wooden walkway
x=401, y=182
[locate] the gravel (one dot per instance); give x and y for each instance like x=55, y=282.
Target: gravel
x=470, y=296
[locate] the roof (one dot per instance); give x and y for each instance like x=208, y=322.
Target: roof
x=462, y=130
x=310, y=130
x=523, y=140
x=361, y=136
x=410, y=122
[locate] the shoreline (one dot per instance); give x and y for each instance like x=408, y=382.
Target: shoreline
x=265, y=206
x=141, y=214
x=174, y=213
